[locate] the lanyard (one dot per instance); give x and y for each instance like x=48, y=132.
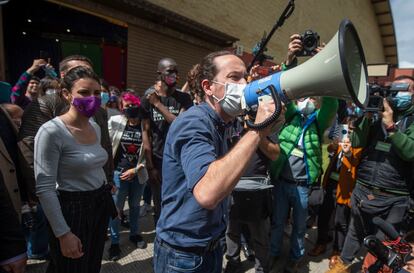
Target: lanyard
x=308, y=122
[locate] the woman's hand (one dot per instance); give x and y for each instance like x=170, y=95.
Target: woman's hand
x=128, y=174
x=70, y=245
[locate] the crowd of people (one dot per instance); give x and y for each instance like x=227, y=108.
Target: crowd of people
x=73, y=149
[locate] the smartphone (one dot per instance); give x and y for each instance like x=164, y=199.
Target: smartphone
x=343, y=132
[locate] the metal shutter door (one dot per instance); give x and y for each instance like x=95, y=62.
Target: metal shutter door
x=146, y=48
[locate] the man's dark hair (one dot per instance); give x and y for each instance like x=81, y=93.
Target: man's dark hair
x=47, y=83
x=77, y=73
x=206, y=70
x=34, y=78
x=63, y=65
x=404, y=77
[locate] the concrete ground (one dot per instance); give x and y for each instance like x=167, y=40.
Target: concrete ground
x=140, y=260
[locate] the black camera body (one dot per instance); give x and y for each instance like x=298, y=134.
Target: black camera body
x=377, y=93
x=310, y=42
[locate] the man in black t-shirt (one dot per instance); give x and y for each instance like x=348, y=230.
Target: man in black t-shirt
x=160, y=107
x=251, y=205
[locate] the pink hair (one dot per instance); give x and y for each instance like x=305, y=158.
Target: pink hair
x=132, y=98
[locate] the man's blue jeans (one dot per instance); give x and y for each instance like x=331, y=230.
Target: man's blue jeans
x=289, y=195
x=169, y=260
x=38, y=237
x=133, y=189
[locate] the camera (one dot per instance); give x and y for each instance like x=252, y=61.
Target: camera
x=377, y=93
x=310, y=41
x=393, y=253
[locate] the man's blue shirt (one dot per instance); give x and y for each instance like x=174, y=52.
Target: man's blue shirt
x=196, y=138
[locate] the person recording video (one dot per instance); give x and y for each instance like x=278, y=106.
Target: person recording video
x=199, y=172
x=385, y=173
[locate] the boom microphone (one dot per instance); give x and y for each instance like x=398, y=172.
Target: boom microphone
x=386, y=228
x=377, y=248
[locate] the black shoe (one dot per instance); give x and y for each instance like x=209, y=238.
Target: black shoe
x=248, y=252
x=232, y=267
x=138, y=241
x=114, y=252
x=124, y=221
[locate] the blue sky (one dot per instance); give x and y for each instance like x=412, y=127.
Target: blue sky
x=403, y=15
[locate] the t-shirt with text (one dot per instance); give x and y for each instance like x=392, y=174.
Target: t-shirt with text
x=129, y=146
x=159, y=126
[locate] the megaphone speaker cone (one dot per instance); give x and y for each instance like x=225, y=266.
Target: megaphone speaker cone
x=353, y=63
x=339, y=71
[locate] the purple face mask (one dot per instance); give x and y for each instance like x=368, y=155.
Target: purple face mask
x=87, y=106
x=170, y=80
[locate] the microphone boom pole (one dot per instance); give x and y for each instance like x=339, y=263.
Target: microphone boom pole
x=286, y=13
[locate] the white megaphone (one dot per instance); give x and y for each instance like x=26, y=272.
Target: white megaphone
x=339, y=71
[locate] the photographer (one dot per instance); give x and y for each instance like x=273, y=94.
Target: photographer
x=384, y=175
x=299, y=165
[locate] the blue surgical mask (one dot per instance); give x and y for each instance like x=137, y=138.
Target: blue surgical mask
x=104, y=98
x=403, y=100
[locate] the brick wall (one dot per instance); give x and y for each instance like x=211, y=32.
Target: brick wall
x=247, y=20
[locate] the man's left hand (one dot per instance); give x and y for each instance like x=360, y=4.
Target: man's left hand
x=128, y=174
x=387, y=115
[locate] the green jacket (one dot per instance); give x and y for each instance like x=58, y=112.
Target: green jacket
x=402, y=142
x=291, y=132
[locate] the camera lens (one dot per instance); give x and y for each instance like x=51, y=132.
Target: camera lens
x=309, y=41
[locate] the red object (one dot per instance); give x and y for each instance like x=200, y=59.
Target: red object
x=114, y=65
x=391, y=128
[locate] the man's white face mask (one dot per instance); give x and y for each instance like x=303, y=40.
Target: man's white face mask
x=306, y=107
x=231, y=102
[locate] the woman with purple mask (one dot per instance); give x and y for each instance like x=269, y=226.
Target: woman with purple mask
x=70, y=180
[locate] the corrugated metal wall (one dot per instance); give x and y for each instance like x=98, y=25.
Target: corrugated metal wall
x=146, y=48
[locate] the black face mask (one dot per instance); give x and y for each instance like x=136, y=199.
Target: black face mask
x=131, y=112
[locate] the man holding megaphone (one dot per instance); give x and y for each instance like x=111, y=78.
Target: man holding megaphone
x=199, y=172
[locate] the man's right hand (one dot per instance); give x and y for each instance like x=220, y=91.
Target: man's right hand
x=265, y=110
x=154, y=176
x=295, y=46
x=37, y=64
x=70, y=245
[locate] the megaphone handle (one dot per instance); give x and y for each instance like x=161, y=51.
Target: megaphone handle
x=273, y=117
